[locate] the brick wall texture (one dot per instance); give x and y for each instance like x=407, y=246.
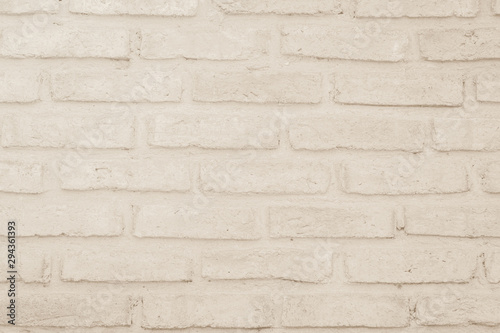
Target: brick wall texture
x=244, y=166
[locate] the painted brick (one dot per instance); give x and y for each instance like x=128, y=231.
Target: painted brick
x=466, y=134
x=19, y=86
x=492, y=266
x=488, y=87
x=491, y=178
x=135, y=7
x=21, y=177
x=29, y=6
x=279, y=6
x=409, y=8
x=33, y=265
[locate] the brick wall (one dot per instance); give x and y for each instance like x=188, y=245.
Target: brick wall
x=277, y=166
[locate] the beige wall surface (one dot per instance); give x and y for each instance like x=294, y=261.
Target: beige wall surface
x=231, y=166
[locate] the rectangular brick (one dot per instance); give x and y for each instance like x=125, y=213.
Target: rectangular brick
x=450, y=45
x=29, y=6
x=257, y=87
x=116, y=86
x=33, y=265
x=286, y=264
x=21, y=177
x=410, y=8
x=192, y=222
x=410, y=175
x=125, y=174
x=282, y=7
x=491, y=178
x=203, y=43
x=396, y=265
x=488, y=87
x=77, y=310
x=19, y=86
x=269, y=177
x=202, y=130
x=496, y=7
x=122, y=265
x=455, y=221
x=367, y=133
x=68, y=131
x=492, y=266
x=214, y=311
x=458, y=310
x=74, y=219
x=56, y=41
x=466, y=134
x=342, y=43
x=422, y=89
x=345, y=311
x=135, y=7
x=347, y=221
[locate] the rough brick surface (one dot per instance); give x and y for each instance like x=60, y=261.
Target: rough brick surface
x=279, y=6
x=29, y=6
x=409, y=8
x=491, y=178
x=466, y=134
x=488, y=87
x=21, y=177
x=492, y=266
x=136, y=7
x=19, y=86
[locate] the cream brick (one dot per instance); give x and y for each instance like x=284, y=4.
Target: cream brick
x=193, y=222
x=466, y=134
x=488, y=87
x=21, y=177
x=65, y=131
x=135, y=7
x=73, y=310
x=458, y=310
x=29, y=6
x=492, y=266
x=64, y=42
x=54, y=218
x=125, y=174
x=197, y=130
x=279, y=6
x=367, y=133
x=455, y=221
x=342, y=43
x=257, y=87
x=396, y=265
x=116, y=86
x=410, y=8
x=215, y=311
x=124, y=265
x=286, y=264
x=348, y=221
x=33, y=265
x=265, y=177
x=496, y=7
x=203, y=43
x=355, y=310
x=404, y=175
x=19, y=86
x=491, y=178
x=450, y=45
x=422, y=89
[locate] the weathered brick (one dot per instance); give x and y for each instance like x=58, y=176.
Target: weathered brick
x=73, y=310
x=466, y=134
x=257, y=87
x=216, y=311
x=496, y=7
x=396, y=265
x=347, y=221
x=197, y=130
x=65, y=131
x=286, y=264
x=116, y=86
x=135, y=7
x=410, y=8
x=75, y=219
x=192, y=222
x=345, y=310
x=366, y=133
x=492, y=266
x=458, y=310
x=122, y=265
x=29, y=6
x=132, y=175
x=33, y=265
x=491, y=178
x=19, y=86
x=56, y=41
x=488, y=87
x=450, y=45
x=342, y=43
x=422, y=89
x=203, y=43
x=265, y=177
x=21, y=177
x=283, y=7
x=455, y=221
x=410, y=175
